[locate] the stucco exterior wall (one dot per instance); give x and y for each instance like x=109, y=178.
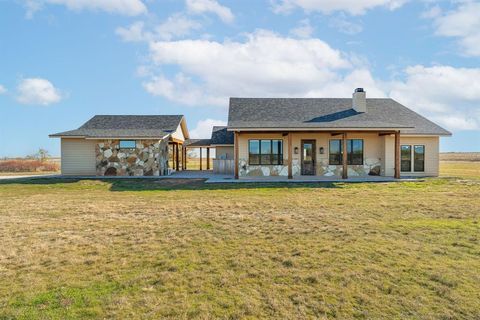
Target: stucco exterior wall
x=432, y=157
x=148, y=158
x=372, y=155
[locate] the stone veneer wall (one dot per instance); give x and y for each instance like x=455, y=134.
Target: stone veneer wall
x=149, y=158
x=246, y=170
x=370, y=167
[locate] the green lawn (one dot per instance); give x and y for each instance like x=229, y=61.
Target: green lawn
x=183, y=249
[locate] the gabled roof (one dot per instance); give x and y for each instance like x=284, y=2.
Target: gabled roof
x=220, y=136
x=326, y=113
x=126, y=126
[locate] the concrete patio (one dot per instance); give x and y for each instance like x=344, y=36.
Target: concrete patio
x=211, y=177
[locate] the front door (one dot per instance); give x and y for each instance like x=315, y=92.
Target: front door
x=308, y=157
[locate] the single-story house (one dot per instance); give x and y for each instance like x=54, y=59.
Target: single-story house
x=290, y=137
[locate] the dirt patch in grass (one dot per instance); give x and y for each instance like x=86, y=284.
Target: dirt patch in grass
x=184, y=249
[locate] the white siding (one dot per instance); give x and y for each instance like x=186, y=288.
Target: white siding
x=78, y=157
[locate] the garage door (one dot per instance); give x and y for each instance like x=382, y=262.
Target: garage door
x=78, y=157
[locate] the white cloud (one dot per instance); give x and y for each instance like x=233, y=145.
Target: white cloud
x=303, y=30
x=203, y=130
x=445, y=94
x=345, y=25
x=251, y=68
x=37, y=91
x=181, y=89
x=133, y=33
x=353, y=7
x=123, y=7
x=175, y=26
x=210, y=6
x=462, y=23
x=2, y=89
x=209, y=72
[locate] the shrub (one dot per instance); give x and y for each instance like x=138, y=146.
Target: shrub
x=27, y=166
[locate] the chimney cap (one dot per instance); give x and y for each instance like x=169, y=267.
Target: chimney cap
x=359, y=90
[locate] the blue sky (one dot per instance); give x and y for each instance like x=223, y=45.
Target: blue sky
x=63, y=61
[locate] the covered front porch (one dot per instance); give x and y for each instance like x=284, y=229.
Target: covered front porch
x=317, y=155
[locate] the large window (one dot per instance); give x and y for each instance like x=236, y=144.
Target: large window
x=418, y=158
x=335, y=152
x=267, y=152
x=406, y=158
x=354, y=152
x=127, y=144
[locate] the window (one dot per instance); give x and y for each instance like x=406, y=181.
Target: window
x=254, y=151
x=354, y=152
x=127, y=144
x=335, y=152
x=406, y=158
x=267, y=152
x=418, y=158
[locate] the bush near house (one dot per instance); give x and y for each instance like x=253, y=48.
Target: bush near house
x=22, y=165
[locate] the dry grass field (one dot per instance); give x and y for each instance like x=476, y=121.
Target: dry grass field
x=149, y=249
x=21, y=166
x=460, y=156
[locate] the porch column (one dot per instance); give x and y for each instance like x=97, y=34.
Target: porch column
x=397, y=154
x=184, y=158
x=200, y=158
x=235, y=154
x=290, y=153
x=208, y=158
x=344, y=156
x=177, y=162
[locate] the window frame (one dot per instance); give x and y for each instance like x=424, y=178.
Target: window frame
x=349, y=154
x=120, y=144
x=412, y=154
x=409, y=158
x=413, y=157
x=271, y=155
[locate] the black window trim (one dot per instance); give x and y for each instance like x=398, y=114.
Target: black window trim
x=280, y=154
x=412, y=158
x=349, y=155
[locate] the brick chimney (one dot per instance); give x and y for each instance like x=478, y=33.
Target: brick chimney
x=359, y=100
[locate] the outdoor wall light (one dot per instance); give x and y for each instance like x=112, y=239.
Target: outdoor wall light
x=295, y=150
x=322, y=150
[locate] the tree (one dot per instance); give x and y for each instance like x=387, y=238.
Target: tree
x=41, y=155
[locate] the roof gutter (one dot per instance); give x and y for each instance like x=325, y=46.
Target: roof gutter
x=104, y=138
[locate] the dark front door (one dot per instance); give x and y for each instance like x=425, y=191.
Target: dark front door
x=308, y=157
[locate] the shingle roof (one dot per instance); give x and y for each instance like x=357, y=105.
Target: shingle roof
x=220, y=135
x=323, y=113
x=110, y=126
x=197, y=142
